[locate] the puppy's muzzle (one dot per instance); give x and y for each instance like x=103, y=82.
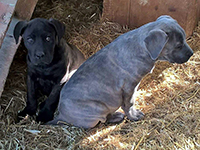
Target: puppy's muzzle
x=39, y=55
x=184, y=55
x=188, y=52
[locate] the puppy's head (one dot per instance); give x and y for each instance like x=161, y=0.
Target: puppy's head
x=166, y=41
x=40, y=37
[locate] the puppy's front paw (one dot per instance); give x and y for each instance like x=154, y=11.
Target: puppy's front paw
x=135, y=114
x=45, y=115
x=24, y=112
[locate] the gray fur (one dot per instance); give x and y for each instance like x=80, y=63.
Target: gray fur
x=107, y=80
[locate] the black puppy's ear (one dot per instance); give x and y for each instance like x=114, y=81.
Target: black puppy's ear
x=19, y=29
x=59, y=27
x=155, y=42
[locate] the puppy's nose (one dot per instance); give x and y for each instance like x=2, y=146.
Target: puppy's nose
x=39, y=55
x=190, y=53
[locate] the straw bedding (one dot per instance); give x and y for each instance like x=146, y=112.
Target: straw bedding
x=170, y=96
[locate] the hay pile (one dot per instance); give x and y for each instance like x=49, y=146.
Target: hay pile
x=169, y=96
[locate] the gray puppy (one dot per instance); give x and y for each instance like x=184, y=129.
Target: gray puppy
x=108, y=79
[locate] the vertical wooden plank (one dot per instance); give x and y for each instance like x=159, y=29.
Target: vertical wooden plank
x=192, y=16
x=7, y=52
x=6, y=11
x=25, y=8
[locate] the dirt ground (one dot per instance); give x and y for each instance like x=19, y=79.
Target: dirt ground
x=169, y=97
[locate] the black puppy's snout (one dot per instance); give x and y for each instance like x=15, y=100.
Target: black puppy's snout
x=39, y=55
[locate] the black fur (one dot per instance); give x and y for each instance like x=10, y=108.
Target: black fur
x=48, y=60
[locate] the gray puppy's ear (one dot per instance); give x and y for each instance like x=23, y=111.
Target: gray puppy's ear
x=155, y=42
x=59, y=27
x=19, y=29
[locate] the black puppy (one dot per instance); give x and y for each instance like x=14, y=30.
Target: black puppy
x=51, y=62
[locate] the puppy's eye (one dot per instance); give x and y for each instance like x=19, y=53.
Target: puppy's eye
x=30, y=40
x=179, y=46
x=48, y=39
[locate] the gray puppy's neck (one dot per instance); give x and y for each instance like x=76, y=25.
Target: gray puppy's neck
x=135, y=59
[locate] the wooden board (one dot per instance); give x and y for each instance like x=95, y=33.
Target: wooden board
x=7, y=53
x=136, y=13
x=23, y=10
x=6, y=11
